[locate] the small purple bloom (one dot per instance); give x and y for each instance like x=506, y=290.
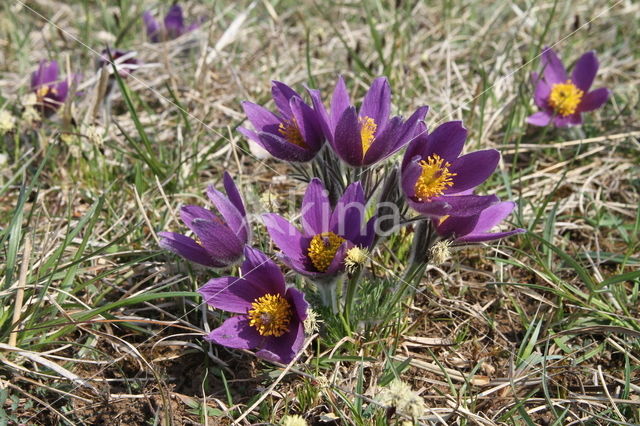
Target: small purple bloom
x=124, y=60
x=51, y=92
x=220, y=237
x=172, y=27
x=320, y=249
x=473, y=229
x=367, y=136
x=271, y=315
x=295, y=134
x=563, y=99
x=437, y=181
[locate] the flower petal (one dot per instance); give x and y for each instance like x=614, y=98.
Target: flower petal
x=46, y=73
x=218, y=239
x=339, y=102
x=280, y=148
x=322, y=114
x=233, y=193
x=540, y=118
x=456, y=226
x=262, y=119
x=541, y=93
x=347, y=139
x=585, y=71
x=297, y=300
x=284, y=348
x=174, y=22
x=231, y=294
x=377, y=102
x=493, y=215
x=152, y=27
x=477, y=238
x=346, y=219
x=236, y=333
x=447, y=140
x=282, y=94
x=308, y=123
x=189, y=213
x=187, y=248
x=472, y=169
x=287, y=237
x=316, y=209
x=554, y=71
x=594, y=99
x=262, y=272
x=233, y=218
x=410, y=175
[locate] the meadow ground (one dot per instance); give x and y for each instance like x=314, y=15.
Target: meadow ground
x=539, y=328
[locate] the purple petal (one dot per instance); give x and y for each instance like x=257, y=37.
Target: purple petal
x=62, y=91
x=377, y=102
x=282, y=94
x=261, y=118
x=152, y=26
x=447, y=140
x=189, y=213
x=473, y=169
x=410, y=175
x=458, y=205
x=231, y=294
x=284, y=348
x=297, y=300
x=233, y=218
x=236, y=333
x=409, y=128
x=250, y=134
x=456, y=226
x=554, y=71
x=219, y=240
x=541, y=118
x=366, y=238
x=347, y=139
x=417, y=146
x=46, y=73
x=541, y=94
x=477, y=238
x=493, y=215
x=308, y=123
x=316, y=210
x=349, y=212
x=339, y=102
x=594, y=100
x=568, y=121
x=174, y=22
x=187, y=248
x=585, y=71
x=384, y=142
x=322, y=115
x=262, y=272
x=337, y=264
x=280, y=148
x=233, y=193
x=287, y=237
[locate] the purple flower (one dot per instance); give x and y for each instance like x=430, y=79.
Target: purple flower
x=320, y=249
x=124, y=60
x=51, y=92
x=473, y=229
x=563, y=99
x=362, y=138
x=172, y=28
x=295, y=134
x=437, y=181
x=220, y=237
x=271, y=315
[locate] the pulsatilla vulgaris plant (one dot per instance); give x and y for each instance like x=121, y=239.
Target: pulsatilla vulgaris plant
x=358, y=194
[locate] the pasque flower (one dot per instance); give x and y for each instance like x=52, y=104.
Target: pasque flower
x=473, y=229
x=51, y=91
x=294, y=134
x=563, y=99
x=271, y=315
x=124, y=60
x=367, y=136
x=437, y=181
x=172, y=27
x=319, y=250
x=220, y=237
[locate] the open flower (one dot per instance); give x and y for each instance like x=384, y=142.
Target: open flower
x=319, y=251
x=437, y=181
x=172, y=28
x=51, y=92
x=271, y=315
x=295, y=134
x=364, y=137
x=124, y=60
x=563, y=99
x=220, y=237
x=474, y=229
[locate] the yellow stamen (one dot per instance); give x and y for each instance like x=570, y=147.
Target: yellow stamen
x=367, y=132
x=435, y=178
x=323, y=249
x=565, y=98
x=270, y=315
x=290, y=130
x=43, y=91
